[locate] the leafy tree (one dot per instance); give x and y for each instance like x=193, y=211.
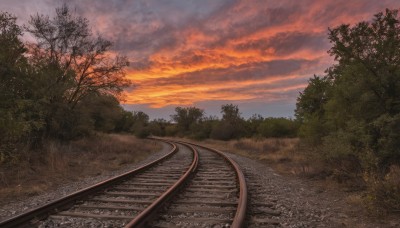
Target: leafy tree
x=12, y=63
x=312, y=100
x=19, y=114
x=203, y=128
x=158, y=127
x=125, y=123
x=140, y=118
x=369, y=64
x=185, y=117
x=140, y=124
x=232, y=121
x=104, y=110
x=230, y=113
x=366, y=82
x=354, y=110
x=310, y=108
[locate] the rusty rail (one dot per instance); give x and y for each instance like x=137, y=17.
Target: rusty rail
x=240, y=214
x=66, y=201
x=141, y=219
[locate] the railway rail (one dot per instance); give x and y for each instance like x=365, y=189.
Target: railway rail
x=190, y=186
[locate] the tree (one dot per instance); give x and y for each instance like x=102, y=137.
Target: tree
x=125, y=123
x=230, y=113
x=185, y=117
x=140, y=118
x=79, y=61
x=12, y=67
x=63, y=85
x=70, y=64
x=104, y=111
x=367, y=83
x=232, y=121
x=312, y=100
x=158, y=127
x=310, y=108
x=140, y=124
x=203, y=128
x=19, y=114
x=354, y=110
x=367, y=72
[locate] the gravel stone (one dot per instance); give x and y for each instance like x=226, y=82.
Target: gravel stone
x=294, y=202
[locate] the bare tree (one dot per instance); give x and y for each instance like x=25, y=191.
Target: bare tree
x=82, y=61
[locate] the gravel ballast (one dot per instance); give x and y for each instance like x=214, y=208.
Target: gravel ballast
x=281, y=201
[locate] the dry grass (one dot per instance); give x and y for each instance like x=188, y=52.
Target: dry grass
x=38, y=171
x=280, y=153
x=285, y=155
x=384, y=195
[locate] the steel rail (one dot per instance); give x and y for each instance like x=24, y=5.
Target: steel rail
x=66, y=201
x=238, y=220
x=145, y=216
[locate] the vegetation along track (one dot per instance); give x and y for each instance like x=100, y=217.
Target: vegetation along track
x=190, y=186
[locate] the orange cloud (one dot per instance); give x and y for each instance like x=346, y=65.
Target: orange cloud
x=233, y=51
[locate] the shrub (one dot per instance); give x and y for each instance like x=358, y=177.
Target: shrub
x=222, y=131
x=384, y=195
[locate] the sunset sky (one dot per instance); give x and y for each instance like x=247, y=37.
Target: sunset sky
x=256, y=54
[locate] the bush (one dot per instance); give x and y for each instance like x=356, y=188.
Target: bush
x=278, y=127
x=384, y=195
x=384, y=140
x=142, y=133
x=222, y=131
x=171, y=130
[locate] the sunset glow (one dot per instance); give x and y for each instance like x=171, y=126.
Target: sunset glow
x=216, y=51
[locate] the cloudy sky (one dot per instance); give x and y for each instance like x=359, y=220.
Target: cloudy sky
x=257, y=54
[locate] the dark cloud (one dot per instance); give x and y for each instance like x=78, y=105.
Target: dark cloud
x=232, y=28
x=287, y=42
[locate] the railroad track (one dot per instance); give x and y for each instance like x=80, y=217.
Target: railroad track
x=190, y=186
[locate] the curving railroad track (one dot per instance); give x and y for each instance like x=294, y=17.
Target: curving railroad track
x=190, y=186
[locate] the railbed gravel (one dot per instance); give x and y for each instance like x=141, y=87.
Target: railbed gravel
x=20, y=206
x=277, y=201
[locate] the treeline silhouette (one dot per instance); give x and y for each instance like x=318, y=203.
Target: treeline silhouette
x=192, y=122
